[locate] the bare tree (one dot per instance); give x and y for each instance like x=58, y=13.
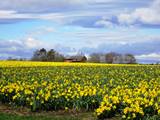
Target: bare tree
x=130, y=58
x=94, y=57
x=110, y=57
x=51, y=55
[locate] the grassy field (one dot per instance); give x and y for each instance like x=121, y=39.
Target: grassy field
x=16, y=117
x=8, y=112
x=129, y=91
x=85, y=116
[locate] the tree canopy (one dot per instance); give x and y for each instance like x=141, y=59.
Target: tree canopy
x=44, y=55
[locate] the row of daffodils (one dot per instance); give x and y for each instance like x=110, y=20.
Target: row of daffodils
x=130, y=91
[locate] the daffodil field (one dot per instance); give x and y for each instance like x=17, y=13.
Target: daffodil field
x=130, y=91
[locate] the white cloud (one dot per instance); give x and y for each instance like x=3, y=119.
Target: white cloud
x=66, y=11
x=42, y=30
x=147, y=15
x=19, y=48
x=6, y=12
x=6, y=56
x=38, y=6
x=105, y=23
x=56, y=17
x=151, y=56
x=10, y=14
x=31, y=43
x=25, y=48
x=25, y=44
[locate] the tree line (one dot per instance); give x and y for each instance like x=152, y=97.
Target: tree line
x=54, y=56
x=112, y=57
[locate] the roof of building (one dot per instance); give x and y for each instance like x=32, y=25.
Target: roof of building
x=78, y=58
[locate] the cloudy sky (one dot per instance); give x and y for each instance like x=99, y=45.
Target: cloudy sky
x=71, y=26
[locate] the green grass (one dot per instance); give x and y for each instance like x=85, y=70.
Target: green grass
x=4, y=116
x=20, y=113
x=84, y=116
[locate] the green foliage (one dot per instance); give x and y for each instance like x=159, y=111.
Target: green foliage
x=155, y=117
x=44, y=55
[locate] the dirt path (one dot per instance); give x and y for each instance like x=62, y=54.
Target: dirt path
x=21, y=111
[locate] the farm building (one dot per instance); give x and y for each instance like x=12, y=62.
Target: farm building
x=75, y=59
